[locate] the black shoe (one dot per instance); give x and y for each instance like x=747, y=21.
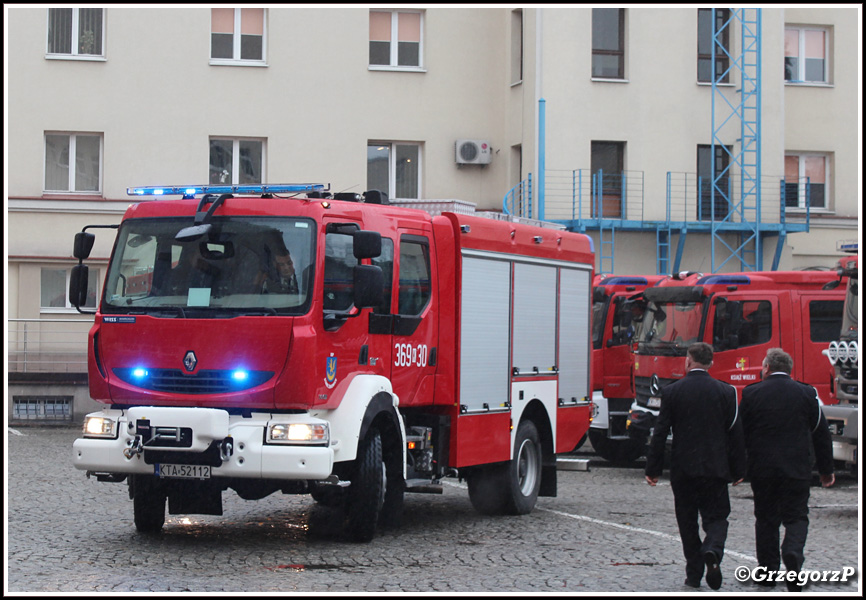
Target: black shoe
x=792, y=564
x=714, y=572
x=692, y=584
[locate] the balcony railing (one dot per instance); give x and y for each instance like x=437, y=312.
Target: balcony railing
x=47, y=345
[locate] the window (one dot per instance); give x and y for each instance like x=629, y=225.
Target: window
x=77, y=32
x=606, y=161
x=394, y=168
x=53, y=290
x=806, y=181
x=517, y=46
x=340, y=262
x=43, y=408
x=806, y=51
x=713, y=198
x=414, y=293
x=708, y=29
x=86, y=148
x=237, y=35
x=236, y=161
x=825, y=320
x=608, y=43
x=742, y=323
x=396, y=38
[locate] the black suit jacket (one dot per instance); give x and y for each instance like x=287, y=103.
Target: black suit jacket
x=707, y=432
x=783, y=424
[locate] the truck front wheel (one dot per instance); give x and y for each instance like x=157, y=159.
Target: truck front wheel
x=148, y=504
x=366, y=495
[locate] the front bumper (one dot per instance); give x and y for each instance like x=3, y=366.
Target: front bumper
x=234, y=446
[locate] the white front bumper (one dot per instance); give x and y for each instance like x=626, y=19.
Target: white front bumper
x=251, y=458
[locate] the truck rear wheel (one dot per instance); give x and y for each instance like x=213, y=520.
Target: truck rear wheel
x=148, y=504
x=523, y=478
x=618, y=452
x=366, y=495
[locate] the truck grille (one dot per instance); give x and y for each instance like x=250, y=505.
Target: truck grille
x=642, y=388
x=204, y=382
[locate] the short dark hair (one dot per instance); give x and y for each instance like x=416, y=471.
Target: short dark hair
x=701, y=353
x=779, y=361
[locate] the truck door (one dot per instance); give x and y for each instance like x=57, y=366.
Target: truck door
x=822, y=321
x=414, y=323
x=745, y=326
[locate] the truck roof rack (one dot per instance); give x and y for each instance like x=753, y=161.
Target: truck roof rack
x=190, y=191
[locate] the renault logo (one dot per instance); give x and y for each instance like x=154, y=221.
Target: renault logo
x=655, y=385
x=190, y=361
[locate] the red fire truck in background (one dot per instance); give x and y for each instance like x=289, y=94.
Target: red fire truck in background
x=617, y=309
x=741, y=315
x=844, y=355
x=279, y=338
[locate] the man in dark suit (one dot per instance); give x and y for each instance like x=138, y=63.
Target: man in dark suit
x=707, y=453
x=783, y=425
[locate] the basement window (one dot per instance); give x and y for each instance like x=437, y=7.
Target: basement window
x=42, y=408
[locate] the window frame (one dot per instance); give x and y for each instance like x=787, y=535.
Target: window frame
x=71, y=181
x=394, y=59
x=620, y=52
x=236, y=159
x=721, y=19
x=73, y=54
x=392, y=168
x=236, y=60
x=517, y=42
x=801, y=49
x=93, y=281
x=801, y=182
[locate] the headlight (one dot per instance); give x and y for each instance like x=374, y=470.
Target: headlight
x=99, y=426
x=299, y=433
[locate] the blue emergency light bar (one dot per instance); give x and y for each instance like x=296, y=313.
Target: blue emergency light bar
x=189, y=191
x=725, y=280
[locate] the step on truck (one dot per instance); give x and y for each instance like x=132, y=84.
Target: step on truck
x=280, y=338
x=617, y=310
x=741, y=315
x=844, y=355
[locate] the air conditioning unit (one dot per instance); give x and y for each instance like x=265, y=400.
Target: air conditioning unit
x=473, y=152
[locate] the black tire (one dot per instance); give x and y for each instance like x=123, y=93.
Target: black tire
x=487, y=486
x=618, y=452
x=148, y=504
x=366, y=494
x=330, y=496
x=391, y=514
x=523, y=473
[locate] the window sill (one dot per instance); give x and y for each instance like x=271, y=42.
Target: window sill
x=82, y=57
x=813, y=212
x=710, y=84
x=396, y=69
x=608, y=80
x=220, y=62
x=811, y=84
x=61, y=195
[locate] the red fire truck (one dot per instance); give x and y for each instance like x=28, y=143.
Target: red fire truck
x=280, y=338
x=844, y=355
x=617, y=309
x=741, y=315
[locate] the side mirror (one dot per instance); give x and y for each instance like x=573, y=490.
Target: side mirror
x=369, y=283
x=366, y=244
x=188, y=234
x=78, y=283
x=83, y=245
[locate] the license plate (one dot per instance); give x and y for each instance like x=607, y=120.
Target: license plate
x=182, y=471
x=654, y=402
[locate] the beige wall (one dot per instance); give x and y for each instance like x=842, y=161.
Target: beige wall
x=156, y=99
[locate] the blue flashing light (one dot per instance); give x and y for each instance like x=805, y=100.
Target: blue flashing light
x=725, y=280
x=240, y=375
x=139, y=373
x=624, y=281
x=189, y=191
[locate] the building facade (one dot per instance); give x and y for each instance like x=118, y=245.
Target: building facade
x=478, y=104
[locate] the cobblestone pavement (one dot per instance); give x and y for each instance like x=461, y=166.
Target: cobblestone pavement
x=606, y=531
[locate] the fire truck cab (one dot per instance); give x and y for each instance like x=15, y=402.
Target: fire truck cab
x=617, y=311
x=281, y=338
x=741, y=315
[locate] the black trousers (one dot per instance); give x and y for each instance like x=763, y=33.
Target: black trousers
x=780, y=501
x=707, y=497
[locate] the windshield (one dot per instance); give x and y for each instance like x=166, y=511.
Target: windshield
x=670, y=327
x=240, y=266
